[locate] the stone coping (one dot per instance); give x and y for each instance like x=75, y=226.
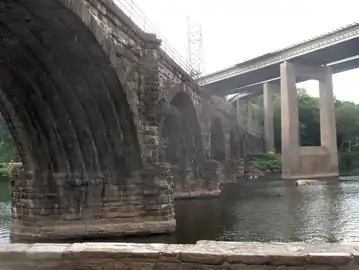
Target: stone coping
x=203, y=255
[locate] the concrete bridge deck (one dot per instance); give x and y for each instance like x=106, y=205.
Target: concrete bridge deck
x=331, y=48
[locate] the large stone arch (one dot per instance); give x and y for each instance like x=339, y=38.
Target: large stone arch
x=60, y=87
x=73, y=123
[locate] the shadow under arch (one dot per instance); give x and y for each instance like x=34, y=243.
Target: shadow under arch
x=189, y=130
x=59, y=90
x=68, y=114
x=181, y=131
x=218, y=145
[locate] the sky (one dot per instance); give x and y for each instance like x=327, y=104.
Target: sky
x=236, y=30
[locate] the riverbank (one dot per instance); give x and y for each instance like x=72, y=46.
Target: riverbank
x=203, y=255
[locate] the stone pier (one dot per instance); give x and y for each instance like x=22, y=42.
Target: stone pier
x=77, y=210
x=203, y=255
x=314, y=161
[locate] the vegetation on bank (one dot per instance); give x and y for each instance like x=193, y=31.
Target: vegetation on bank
x=9, y=156
x=270, y=162
x=347, y=120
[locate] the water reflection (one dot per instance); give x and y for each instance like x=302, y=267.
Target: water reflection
x=260, y=210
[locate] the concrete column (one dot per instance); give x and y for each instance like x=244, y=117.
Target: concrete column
x=328, y=131
x=290, y=120
x=268, y=89
x=249, y=117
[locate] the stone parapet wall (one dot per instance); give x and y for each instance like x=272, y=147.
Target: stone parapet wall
x=203, y=255
x=77, y=210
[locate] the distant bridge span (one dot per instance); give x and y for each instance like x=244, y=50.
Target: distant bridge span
x=338, y=49
x=317, y=59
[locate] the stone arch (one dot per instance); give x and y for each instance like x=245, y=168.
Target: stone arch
x=61, y=89
x=181, y=132
x=218, y=144
x=69, y=116
x=189, y=128
x=234, y=149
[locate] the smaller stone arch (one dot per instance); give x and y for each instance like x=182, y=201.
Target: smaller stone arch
x=194, y=176
x=218, y=144
x=234, y=146
x=188, y=125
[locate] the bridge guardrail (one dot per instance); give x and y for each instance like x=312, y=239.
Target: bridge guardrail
x=141, y=20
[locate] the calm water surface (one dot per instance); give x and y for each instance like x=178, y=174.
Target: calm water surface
x=259, y=210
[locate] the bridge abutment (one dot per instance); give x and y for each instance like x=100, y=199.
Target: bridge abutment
x=314, y=161
x=71, y=208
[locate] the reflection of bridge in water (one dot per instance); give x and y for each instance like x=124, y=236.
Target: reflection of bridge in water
x=279, y=71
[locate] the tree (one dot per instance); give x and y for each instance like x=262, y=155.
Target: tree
x=347, y=116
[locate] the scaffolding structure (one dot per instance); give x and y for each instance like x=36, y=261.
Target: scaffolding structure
x=195, y=48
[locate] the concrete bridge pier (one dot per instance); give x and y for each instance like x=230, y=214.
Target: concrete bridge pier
x=250, y=117
x=313, y=161
x=268, y=90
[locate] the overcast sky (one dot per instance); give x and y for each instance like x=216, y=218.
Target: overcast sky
x=235, y=30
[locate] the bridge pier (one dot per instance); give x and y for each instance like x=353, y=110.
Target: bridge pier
x=313, y=161
x=71, y=208
x=268, y=90
x=250, y=117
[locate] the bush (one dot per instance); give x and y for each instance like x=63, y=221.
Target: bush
x=265, y=162
x=348, y=161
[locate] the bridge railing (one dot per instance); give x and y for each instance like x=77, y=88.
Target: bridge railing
x=141, y=20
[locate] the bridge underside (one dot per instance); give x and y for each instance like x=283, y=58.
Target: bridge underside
x=251, y=81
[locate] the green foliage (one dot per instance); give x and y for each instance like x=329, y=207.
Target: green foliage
x=349, y=162
x=8, y=151
x=265, y=162
x=347, y=119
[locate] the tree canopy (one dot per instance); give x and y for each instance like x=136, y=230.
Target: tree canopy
x=347, y=120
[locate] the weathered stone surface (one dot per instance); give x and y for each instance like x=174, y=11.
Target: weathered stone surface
x=203, y=255
x=122, y=209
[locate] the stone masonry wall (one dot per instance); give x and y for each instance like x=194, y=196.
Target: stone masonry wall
x=146, y=71
x=203, y=255
x=136, y=55
x=141, y=204
x=133, y=54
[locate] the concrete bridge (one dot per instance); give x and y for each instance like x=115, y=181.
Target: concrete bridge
x=279, y=71
x=109, y=128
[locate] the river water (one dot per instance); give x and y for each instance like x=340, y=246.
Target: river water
x=257, y=210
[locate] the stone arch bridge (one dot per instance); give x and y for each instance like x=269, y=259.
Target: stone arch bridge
x=98, y=112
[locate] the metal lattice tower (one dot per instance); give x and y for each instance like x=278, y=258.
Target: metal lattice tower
x=195, y=50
